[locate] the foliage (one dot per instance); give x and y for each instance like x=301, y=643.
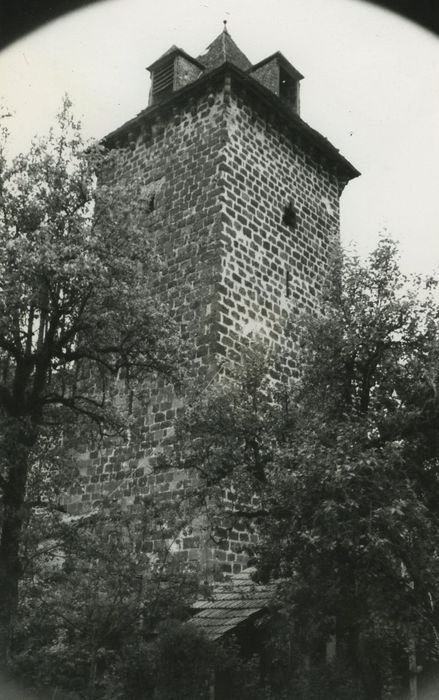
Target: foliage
x=185, y=664
x=79, y=332
x=232, y=423
x=94, y=600
x=338, y=470
x=325, y=681
x=104, y=608
x=76, y=267
x=230, y=433
x=354, y=517
x=189, y=663
x=348, y=507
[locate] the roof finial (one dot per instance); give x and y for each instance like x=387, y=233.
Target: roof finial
x=225, y=26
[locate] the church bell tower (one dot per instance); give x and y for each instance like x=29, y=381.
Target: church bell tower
x=243, y=205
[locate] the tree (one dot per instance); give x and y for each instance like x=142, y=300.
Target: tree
x=229, y=435
x=76, y=313
x=349, y=487
x=99, y=596
x=353, y=521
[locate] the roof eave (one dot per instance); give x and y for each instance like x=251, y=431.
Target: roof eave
x=284, y=61
x=177, y=51
x=275, y=103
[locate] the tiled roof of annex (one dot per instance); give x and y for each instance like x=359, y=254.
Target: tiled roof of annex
x=233, y=602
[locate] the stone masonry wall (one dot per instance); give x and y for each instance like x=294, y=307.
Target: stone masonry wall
x=219, y=175
x=271, y=270
x=178, y=161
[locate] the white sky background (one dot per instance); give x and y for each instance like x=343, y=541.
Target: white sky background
x=371, y=86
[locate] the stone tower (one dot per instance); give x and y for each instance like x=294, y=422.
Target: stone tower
x=244, y=207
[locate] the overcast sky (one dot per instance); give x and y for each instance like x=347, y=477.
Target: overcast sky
x=371, y=86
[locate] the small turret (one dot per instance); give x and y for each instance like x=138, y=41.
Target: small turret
x=172, y=71
x=278, y=75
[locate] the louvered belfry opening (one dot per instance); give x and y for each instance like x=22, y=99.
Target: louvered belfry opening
x=163, y=80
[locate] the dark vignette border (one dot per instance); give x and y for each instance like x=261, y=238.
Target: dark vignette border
x=18, y=17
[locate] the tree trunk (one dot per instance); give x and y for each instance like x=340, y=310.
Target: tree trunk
x=413, y=669
x=211, y=684
x=362, y=665
x=14, y=493
x=90, y=693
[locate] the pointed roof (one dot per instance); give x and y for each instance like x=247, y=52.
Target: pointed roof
x=284, y=62
x=173, y=50
x=223, y=49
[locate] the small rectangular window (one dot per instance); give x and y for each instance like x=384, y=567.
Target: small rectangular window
x=289, y=216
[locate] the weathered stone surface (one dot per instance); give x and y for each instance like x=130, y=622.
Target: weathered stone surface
x=244, y=218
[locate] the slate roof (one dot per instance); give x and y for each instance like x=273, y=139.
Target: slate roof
x=173, y=50
x=283, y=62
x=223, y=49
x=233, y=602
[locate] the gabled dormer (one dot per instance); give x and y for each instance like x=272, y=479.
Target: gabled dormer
x=279, y=76
x=172, y=71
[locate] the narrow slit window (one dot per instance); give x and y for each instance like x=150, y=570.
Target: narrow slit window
x=130, y=402
x=287, y=283
x=151, y=204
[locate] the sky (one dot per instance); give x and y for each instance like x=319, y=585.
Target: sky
x=371, y=86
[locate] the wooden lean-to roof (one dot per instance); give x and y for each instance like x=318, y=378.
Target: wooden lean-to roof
x=233, y=602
